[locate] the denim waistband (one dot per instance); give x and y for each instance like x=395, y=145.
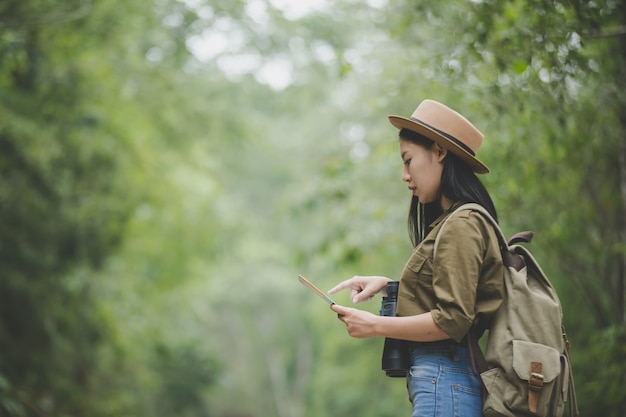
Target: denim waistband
x=451, y=351
x=439, y=343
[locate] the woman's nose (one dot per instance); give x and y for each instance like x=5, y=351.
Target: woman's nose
x=405, y=175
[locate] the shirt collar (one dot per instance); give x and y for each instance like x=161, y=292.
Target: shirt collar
x=445, y=214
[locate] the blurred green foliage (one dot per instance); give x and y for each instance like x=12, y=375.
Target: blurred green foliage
x=168, y=167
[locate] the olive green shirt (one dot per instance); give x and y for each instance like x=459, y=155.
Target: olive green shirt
x=465, y=281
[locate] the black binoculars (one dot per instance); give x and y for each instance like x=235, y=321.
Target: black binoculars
x=395, y=360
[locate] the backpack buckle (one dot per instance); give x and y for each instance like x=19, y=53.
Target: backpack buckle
x=535, y=382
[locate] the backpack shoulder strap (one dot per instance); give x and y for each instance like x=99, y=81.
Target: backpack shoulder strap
x=509, y=258
x=477, y=207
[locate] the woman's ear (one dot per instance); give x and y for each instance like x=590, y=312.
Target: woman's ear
x=440, y=152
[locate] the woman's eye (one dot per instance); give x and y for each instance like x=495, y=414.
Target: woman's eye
x=407, y=162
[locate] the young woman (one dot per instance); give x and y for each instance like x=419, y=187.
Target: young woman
x=438, y=299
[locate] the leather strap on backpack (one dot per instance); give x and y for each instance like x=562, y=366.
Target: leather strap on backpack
x=535, y=383
x=479, y=363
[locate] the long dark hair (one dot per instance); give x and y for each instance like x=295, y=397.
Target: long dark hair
x=458, y=184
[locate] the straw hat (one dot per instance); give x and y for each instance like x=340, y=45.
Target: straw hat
x=446, y=127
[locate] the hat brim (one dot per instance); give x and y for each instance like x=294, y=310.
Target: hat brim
x=404, y=123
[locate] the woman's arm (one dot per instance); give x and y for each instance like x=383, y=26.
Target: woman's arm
x=363, y=324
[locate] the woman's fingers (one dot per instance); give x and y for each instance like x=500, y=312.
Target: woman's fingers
x=341, y=286
x=340, y=310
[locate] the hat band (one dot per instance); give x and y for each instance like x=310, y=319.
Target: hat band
x=447, y=136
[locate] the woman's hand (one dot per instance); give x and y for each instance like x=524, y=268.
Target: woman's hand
x=362, y=288
x=360, y=324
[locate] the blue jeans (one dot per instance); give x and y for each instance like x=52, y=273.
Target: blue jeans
x=441, y=383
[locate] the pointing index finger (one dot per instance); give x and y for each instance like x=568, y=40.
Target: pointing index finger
x=341, y=286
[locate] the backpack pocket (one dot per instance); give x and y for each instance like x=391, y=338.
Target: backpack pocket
x=507, y=390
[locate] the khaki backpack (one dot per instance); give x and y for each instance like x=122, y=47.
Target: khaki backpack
x=526, y=369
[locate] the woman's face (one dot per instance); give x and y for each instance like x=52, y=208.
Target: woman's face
x=422, y=169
